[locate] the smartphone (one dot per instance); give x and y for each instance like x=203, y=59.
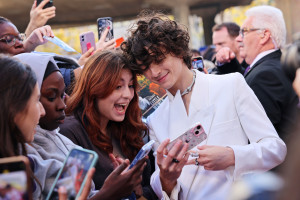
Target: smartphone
x=197, y=63
x=15, y=182
x=49, y=4
x=73, y=173
x=194, y=136
x=87, y=40
x=142, y=153
x=102, y=24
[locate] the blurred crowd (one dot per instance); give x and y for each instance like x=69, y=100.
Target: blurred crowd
x=242, y=92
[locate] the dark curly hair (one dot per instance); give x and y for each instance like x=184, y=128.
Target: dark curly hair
x=153, y=37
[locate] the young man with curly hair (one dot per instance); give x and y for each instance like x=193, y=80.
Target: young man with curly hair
x=158, y=48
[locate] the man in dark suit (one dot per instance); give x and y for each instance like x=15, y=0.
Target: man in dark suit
x=261, y=36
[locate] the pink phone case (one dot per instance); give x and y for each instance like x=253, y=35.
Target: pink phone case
x=193, y=137
x=87, y=40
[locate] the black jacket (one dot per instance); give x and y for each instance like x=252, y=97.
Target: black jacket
x=274, y=91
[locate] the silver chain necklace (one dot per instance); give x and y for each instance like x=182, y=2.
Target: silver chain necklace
x=189, y=88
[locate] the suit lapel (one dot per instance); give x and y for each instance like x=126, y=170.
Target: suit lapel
x=177, y=117
x=200, y=109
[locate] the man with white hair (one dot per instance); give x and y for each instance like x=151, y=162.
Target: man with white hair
x=262, y=35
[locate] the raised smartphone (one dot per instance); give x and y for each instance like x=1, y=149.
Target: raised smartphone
x=14, y=178
x=102, y=24
x=142, y=153
x=73, y=173
x=87, y=40
x=49, y=4
x=197, y=63
x=194, y=136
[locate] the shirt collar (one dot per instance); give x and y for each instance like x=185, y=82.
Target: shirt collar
x=261, y=55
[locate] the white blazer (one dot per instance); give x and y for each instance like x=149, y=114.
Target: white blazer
x=230, y=114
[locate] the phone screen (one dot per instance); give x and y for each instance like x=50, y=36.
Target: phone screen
x=73, y=173
x=49, y=4
x=102, y=24
x=197, y=63
x=13, y=181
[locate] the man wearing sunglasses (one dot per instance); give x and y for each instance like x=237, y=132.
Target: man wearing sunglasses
x=12, y=42
x=262, y=35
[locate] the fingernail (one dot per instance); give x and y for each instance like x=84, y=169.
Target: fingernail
x=108, y=27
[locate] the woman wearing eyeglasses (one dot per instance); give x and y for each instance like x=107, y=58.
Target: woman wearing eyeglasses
x=12, y=42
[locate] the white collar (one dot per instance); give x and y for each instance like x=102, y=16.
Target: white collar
x=261, y=55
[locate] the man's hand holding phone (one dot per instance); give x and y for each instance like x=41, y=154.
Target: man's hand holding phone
x=171, y=162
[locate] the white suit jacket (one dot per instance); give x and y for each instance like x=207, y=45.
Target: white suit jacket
x=230, y=114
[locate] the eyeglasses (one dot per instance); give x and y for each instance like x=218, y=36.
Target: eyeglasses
x=11, y=39
x=245, y=30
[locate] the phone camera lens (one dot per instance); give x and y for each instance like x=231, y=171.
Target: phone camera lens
x=198, y=127
x=196, y=132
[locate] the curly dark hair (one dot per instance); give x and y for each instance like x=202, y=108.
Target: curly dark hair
x=153, y=37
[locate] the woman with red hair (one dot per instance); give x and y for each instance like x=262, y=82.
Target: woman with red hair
x=104, y=115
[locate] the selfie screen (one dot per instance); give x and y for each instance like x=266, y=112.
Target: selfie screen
x=74, y=172
x=13, y=185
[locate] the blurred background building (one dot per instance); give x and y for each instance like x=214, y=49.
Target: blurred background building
x=78, y=16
